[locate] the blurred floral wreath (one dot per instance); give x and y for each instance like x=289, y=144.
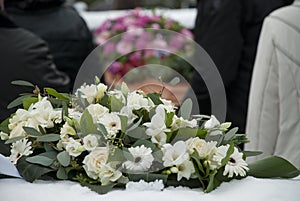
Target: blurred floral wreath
x=138, y=28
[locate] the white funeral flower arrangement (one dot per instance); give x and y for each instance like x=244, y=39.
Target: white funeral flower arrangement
x=105, y=139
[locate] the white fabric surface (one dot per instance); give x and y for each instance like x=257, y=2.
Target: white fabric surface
x=248, y=189
x=185, y=17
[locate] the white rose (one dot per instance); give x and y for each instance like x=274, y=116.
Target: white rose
x=73, y=147
x=108, y=174
x=94, y=161
x=88, y=91
x=202, y=147
x=90, y=142
x=97, y=111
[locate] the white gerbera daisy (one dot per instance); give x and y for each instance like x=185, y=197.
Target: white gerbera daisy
x=19, y=149
x=236, y=165
x=142, y=159
x=112, y=122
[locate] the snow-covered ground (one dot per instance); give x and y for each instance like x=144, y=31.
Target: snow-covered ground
x=185, y=17
x=249, y=189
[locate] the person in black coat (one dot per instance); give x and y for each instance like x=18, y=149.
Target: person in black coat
x=24, y=56
x=229, y=32
x=65, y=32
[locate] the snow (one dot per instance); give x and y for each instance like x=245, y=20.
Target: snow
x=248, y=189
x=185, y=17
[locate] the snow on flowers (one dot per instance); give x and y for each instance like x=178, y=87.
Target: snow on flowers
x=106, y=138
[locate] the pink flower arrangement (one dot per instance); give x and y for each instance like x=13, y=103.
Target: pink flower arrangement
x=130, y=46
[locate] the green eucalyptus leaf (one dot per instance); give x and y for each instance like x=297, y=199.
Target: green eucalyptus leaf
x=14, y=139
x=56, y=94
x=252, y=153
x=155, y=97
x=41, y=160
x=98, y=188
x=185, y=133
x=169, y=119
x=48, y=138
x=124, y=120
x=138, y=133
x=31, y=172
x=4, y=126
x=102, y=129
x=32, y=131
x=186, y=109
x=18, y=101
x=272, y=167
x=230, y=134
x=87, y=125
x=116, y=104
x=61, y=173
x=27, y=102
x=64, y=158
x=22, y=83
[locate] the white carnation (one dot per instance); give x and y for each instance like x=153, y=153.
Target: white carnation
x=19, y=149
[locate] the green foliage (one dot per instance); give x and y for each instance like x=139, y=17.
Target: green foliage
x=87, y=125
x=32, y=131
x=64, y=158
x=41, y=160
x=22, y=83
x=31, y=172
x=186, y=109
x=48, y=138
x=273, y=167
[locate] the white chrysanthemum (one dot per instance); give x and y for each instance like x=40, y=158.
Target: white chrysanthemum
x=142, y=159
x=73, y=147
x=94, y=161
x=108, y=174
x=112, y=122
x=19, y=149
x=174, y=154
x=236, y=165
x=137, y=101
x=97, y=111
x=179, y=122
x=202, y=147
x=90, y=142
x=186, y=169
x=157, y=124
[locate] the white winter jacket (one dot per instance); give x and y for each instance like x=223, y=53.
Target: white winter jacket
x=273, y=124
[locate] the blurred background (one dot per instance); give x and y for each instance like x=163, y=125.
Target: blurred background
x=100, y=5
